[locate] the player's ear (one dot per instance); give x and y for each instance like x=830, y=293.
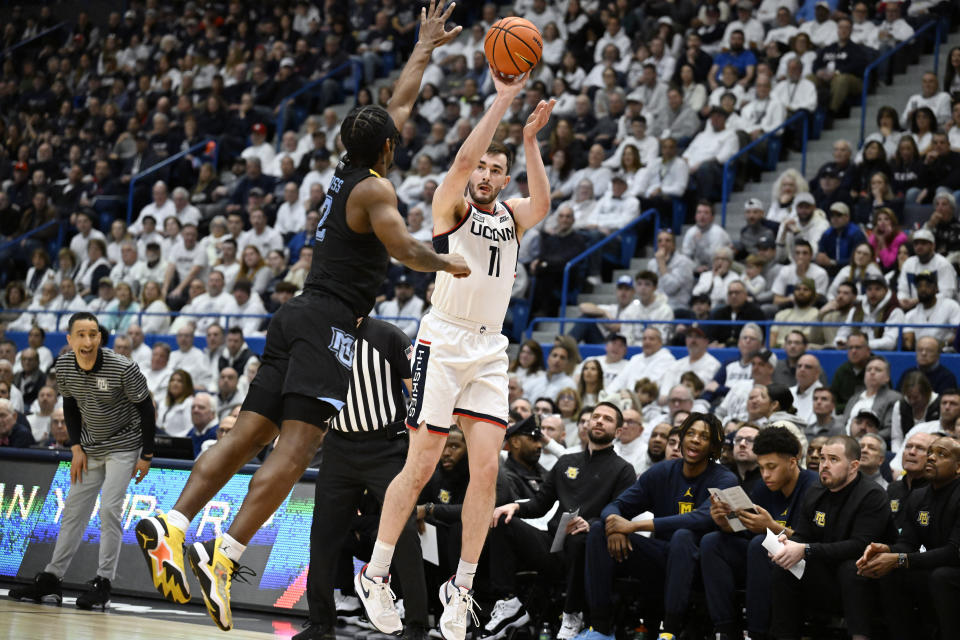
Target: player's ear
x=506, y=181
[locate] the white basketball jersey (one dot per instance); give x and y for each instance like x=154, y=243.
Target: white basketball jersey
x=488, y=242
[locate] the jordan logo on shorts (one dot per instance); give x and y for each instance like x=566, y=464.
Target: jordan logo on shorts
x=342, y=346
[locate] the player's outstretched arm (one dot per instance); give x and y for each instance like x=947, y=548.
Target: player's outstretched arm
x=380, y=200
x=448, y=199
x=432, y=35
x=529, y=211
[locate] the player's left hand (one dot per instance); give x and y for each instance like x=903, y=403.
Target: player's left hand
x=757, y=522
x=140, y=471
x=432, y=20
x=539, y=117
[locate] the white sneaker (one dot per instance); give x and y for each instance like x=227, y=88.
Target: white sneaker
x=349, y=609
x=571, y=626
x=506, y=615
x=457, y=602
x=377, y=598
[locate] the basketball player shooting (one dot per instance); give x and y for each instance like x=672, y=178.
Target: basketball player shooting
x=308, y=356
x=460, y=361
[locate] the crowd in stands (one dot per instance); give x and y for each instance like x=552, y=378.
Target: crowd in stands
x=653, y=98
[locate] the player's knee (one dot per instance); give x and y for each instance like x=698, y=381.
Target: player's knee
x=484, y=470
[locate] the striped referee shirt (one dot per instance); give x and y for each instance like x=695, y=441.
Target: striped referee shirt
x=381, y=362
x=107, y=395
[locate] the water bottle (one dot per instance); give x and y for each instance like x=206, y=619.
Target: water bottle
x=546, y=633
x=640, y=632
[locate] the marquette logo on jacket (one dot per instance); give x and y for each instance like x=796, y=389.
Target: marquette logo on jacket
x=894, y=505
x=573, y=472
x=444, y=496
x=820, y=519
x=102, y=384
x=684, y=507
x=923, y=518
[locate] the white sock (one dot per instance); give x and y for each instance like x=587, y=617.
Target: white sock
x=231, y=548
x=379, y=565
x=465, y=573
x=178, y=520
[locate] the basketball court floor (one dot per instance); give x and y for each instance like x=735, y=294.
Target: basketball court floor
x=130, y=618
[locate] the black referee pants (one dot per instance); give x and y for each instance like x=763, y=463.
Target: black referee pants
x=348, y=468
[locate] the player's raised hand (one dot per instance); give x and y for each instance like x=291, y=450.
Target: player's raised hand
x=433, y=33
x=508, y=87
x=539, y=117
x=457, y=265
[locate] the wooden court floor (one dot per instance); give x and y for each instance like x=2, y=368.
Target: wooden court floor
x=28, y=621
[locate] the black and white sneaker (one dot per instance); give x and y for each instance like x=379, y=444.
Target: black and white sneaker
x=98, y=595
x=44, y=585
x=506, y=615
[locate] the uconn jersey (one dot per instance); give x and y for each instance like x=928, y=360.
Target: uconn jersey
x=488, y=242
x=460, y=357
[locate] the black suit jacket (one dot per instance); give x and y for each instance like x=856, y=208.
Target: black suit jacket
x=728, y=334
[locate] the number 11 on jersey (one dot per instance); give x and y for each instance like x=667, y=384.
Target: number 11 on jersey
x=494, y=261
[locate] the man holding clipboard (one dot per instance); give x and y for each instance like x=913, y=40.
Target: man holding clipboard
x=734, y=556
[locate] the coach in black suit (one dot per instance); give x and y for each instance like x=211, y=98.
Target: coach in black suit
x=738, y=308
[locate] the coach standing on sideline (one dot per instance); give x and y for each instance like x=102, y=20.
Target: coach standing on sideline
x=111, y=421
x=365, y=447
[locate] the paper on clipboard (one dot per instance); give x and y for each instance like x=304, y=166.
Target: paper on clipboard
x=428, y=544
x=561, y=533
x=772, y=544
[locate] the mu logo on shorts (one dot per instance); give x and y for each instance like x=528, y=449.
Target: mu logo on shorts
x=820, y=519
x=342, y=346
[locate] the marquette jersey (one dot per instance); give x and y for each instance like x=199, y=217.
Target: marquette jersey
x=488, y=242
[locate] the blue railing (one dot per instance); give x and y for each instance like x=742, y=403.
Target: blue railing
x=6, y=52
x=165, y=163
x=938, y=25
x=357, y=67
x=765, y=324
x=593, y=249
x=728, y=175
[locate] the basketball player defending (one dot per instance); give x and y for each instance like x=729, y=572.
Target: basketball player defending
x=460, y=361
x=308, y=356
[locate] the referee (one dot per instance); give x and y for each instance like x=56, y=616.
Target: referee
x=111, y=421
x=365, y=447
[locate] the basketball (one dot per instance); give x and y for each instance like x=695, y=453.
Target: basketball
x=513, y=46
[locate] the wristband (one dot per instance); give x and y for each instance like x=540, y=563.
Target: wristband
x=147, y=458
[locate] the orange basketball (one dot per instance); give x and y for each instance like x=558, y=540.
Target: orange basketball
x=513, y=46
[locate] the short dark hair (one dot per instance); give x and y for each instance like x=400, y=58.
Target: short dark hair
x=553, y=405
x=363, y=133
x=851, y=447
x=498, y=147
x=243, y=285
x=848, y=283
x=952, y=391
x=800, y=242
x=802, y=335
x=777, y=440
x=79, y=316
x=616, y=410
x=648, y=276
x=713, y=426
x=235, y=330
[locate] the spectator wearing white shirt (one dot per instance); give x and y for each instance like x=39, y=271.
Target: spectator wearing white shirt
x=674, y=269
x=894, y=29
x=715, y=281
x=555, y=377
x=662, y=179
x=930, y=96
x=214, y=299
x=751, y=27
x=701, y=241
x=185, y=212
x=615, y=208
x=931, y=309
x=822, y=29
x=405, y=309
x=40, y=311
x=189, y=358
x=139, y=352
x=652, y=363
x=157, y=372
x=879, y=306
x=174, y=409
x=805, y=222
x=289, y=148
x=763, y=114
x=160, y=209
x=595, y=172
x=598, y=332
x=795, y=92
x=411, y=188
x=187, y=260
x=129, y=269
x=265, y=238
x=151, y=302
x=615, y=35
x=865, y=32
x=291, y=214
x=808, y=381
x=246, y=301
x=651, y=92
x=697, y=360
x=259, y=147
x=83, y=221
x=69, y=300
x=650, y=304
x=95, y=267
x=629, y=445
x=320, y=176
x=647, y=146
x=925, y=258
x=708, y=152
x=802, y=267
x=665, y=63
x=155, y=267
x=783, y=30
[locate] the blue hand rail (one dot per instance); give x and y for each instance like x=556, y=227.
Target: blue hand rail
x=46, y=225
x=284, y=104
x=726, y=183
x=873, y=65
x=593, y=249
x=164, y=163
x=765, y=324
x=6, y=52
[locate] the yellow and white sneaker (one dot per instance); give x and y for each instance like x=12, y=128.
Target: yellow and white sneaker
x=162, y=547
x=216, y=571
